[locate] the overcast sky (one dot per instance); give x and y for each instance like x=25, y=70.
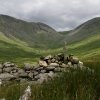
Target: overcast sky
x=59, y=14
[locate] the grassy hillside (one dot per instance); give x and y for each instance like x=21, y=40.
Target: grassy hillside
x=87, y=48
x=16, y=45
x=15, y=50
x=85, y=30
x=36, y=35
x=19, y=51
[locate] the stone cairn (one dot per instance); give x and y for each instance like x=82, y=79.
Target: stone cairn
x=47, y=68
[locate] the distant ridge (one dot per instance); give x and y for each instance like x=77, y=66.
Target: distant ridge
x=22, y=41
x=85, y=30
x=35, y=34
x=40, y=35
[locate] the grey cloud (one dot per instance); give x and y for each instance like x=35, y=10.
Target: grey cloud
x=60, y=14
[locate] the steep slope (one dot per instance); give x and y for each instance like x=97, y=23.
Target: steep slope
x=35, y=34
x=87, y=29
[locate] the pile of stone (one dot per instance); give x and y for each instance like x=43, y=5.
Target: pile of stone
x=47, y=68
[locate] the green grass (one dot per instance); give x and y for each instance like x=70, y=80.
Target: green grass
x=75, y=85
x=19, y=52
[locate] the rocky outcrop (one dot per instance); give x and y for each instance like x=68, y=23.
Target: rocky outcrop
x=48, y=68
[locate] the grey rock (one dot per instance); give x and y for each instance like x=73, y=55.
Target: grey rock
x=39, y=68
x=8, y=64
x=60, y=62
x=49, y=61
x=56, y=61
x=43, y=71
x=53, y=60
x=16, y=75
x=12, y=65
x=43, y=63
x=14, y=71
x=6, y=76
x=42, y=78
x=51, y=74
x=36, y=77
x=63, y=66
x=21, y=71
x=30, y=75
x=23, y=75
x=50, y=68
x=48, y=57
x=15, y=68
x=7, y=69
x=54, y=65
x=28, y=67
x=28, y=72
x=35, y=73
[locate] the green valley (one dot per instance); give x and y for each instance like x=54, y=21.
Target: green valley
x=27, y=42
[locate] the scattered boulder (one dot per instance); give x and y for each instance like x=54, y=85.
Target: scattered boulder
x=6, y=76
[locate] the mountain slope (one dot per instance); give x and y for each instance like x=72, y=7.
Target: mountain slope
x=16, y=51
x=87, y=48
x=22, y=41
x=87, y=29
x=35, y=34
